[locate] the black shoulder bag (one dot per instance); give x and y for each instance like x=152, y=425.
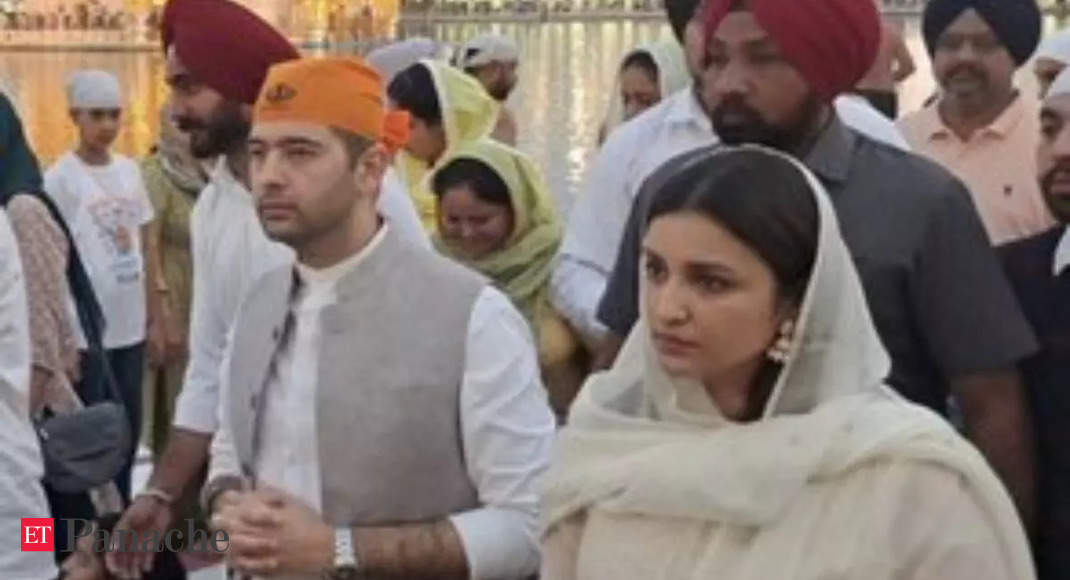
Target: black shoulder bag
x=88, y=447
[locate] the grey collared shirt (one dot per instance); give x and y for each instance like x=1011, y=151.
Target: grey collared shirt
x=938, y=296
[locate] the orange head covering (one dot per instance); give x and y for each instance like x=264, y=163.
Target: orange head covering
x=340, y=92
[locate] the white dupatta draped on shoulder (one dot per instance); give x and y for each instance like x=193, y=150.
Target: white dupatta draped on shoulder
x=841, y=478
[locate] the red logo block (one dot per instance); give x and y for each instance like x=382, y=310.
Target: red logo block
x=37, y=535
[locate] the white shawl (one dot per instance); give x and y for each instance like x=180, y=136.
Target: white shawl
x=640, y=443
x=672, y=77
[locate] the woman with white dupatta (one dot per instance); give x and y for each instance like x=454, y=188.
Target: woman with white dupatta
x=746, y=432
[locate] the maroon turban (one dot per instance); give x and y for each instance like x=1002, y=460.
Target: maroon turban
x=832, y=43
x=224, y=45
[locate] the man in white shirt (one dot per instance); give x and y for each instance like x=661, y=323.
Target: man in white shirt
x=383, y=414
x=218, y=54
x=20, y=455
x=106, y=207
x=676, y=125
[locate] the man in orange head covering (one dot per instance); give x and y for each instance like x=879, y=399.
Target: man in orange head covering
x=218, y=55
x=425, y=465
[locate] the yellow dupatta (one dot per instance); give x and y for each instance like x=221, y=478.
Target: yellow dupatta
x=468, y=114
x=522, y=268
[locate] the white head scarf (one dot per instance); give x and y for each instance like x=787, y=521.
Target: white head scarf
x=393, y=58
x=1056, y=47
x=672, y=76
x=641, y=442
x=93, y=89
x=485, y=49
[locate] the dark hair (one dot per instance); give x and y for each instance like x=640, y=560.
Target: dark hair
x=413, y=90
x=680, y=12
x=762, y=198
x=355, y=144
x=483, y=181
x=643, y=60
x=469, y=54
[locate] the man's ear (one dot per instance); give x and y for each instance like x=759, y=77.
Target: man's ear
x=370, y=168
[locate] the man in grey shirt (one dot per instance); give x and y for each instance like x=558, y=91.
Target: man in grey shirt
x=943, y=307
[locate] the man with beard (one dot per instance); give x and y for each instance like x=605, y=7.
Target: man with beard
x=677, y=124
x=218, y=54
x=981, y=127
x=493, y=60
x=1039, y=271
x=939, y=300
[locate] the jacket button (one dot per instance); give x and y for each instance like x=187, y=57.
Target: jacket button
x=275, y=332
x=253, y=400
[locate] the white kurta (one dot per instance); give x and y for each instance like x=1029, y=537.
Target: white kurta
x=230, y=252
x=21, y=468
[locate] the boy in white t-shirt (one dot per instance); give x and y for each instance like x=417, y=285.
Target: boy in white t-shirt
x=107, y=209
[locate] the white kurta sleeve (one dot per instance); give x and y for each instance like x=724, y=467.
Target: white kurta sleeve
x=592, y=238
x=224, y=456
x=507, y=432
x=575, y=291
x=196, y=407
x=395, y=204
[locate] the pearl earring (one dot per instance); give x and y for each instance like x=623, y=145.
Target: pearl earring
x=781, y=348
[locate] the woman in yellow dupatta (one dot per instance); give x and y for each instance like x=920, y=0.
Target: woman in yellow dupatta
x=496, y=216
x=448, y=109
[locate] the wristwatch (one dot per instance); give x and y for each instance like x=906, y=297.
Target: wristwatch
x=345, y=565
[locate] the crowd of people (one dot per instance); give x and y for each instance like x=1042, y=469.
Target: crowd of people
x=787, y=331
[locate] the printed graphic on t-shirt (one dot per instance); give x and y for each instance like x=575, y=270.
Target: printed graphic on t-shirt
x=114, y=218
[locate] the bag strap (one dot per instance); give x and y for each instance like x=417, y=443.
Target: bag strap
x=88, y=308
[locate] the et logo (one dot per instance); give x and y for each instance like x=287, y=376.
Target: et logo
x=37, y=535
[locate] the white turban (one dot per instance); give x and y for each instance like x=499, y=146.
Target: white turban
x=393, y=58
x=1056, y=47
x=1061, y=86
x=485, y=49
x=93, y=89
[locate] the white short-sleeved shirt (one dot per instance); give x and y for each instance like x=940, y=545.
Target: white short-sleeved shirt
x=105, y=207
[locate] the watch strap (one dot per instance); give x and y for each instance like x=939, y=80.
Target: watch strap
x=345, y=565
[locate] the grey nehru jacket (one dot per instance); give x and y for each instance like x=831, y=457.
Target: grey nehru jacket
x=935, y=288
x=390, y=373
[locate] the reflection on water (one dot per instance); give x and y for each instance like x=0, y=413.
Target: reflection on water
x=566, y=75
